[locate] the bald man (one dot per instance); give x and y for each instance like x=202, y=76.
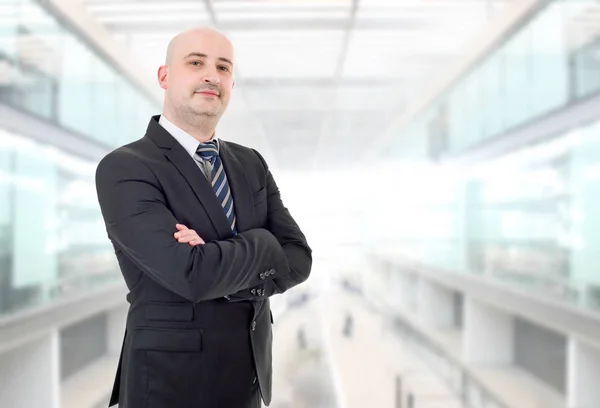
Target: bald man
x=202, y=239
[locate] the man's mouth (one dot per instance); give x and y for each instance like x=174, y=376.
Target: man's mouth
x=207, y=92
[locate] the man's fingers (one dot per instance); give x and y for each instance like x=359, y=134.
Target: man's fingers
x=187, y=237
x=184, y=233
x=197, y=241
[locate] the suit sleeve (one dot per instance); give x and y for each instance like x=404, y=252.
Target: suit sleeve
x=288, y=234
x=139, y=222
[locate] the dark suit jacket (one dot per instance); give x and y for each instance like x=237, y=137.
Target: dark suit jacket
x=185, y=344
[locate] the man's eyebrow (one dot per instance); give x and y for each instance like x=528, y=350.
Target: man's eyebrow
x=199, y=54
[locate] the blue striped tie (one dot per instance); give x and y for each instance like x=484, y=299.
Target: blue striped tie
x=209, y=152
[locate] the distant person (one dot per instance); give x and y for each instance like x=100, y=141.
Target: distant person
x=301, y=338
x=203, y=240
x=348, y=325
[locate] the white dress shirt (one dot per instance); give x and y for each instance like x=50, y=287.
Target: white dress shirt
x=189, y=143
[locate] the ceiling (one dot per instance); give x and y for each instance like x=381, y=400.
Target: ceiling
x=315, y=80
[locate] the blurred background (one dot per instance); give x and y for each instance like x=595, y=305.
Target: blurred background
x=455, y=149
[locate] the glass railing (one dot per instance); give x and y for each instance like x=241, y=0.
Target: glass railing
x=471, y=392
x=528, y=219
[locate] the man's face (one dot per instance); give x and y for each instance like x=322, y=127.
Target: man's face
x=198, y=78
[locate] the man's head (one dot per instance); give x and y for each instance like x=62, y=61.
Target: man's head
x=198, y=75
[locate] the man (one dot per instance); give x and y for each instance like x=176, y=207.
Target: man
x=202, y=239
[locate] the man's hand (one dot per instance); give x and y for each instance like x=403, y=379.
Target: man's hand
x=184, y=234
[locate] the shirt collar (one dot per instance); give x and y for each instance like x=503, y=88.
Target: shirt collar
x=189, y=143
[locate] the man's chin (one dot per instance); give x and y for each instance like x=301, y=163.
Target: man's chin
x=207, y=113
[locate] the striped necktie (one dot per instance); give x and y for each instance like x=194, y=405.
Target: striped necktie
x=209, y=152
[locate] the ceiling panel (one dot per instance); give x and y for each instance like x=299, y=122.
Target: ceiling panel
x=136, y=12
x=409, y=52
x=261, y=15
x=288, y=98
x=285, y=54
x=114, y=7
x=285, y=5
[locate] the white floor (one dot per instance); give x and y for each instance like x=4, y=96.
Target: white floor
x=90, y=388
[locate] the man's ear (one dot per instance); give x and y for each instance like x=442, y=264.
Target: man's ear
x=233, y=84
x=162, y=74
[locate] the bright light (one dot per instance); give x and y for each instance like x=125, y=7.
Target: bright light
x=268, y=6
x=139, y=7
x=308, y=15
x=277, y=54
x=199, y=18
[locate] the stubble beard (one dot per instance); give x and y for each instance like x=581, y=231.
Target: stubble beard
x=197, y=116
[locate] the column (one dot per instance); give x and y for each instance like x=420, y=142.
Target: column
x=583, y=371
x=405, y=290
x=397, y=290
x=488, y=334
x=30, y=375
x=435, y=305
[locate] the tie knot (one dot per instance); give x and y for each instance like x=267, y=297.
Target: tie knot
x=207, y=150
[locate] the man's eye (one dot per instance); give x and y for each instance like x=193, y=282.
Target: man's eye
x=195, y=63
x=224, y=68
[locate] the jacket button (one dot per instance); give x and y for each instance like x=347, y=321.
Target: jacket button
x=253, y=327
x=271, y=271
x=253, y=291
x=262, y=276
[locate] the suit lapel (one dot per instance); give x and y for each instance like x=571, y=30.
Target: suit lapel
x=240, y=188
x=177, y=155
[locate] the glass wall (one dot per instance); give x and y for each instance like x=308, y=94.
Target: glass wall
x=52, y=236
x=551, y=61
x=53, y=241
x=47, y=70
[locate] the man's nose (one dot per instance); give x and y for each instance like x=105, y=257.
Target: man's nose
x=212, y=77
